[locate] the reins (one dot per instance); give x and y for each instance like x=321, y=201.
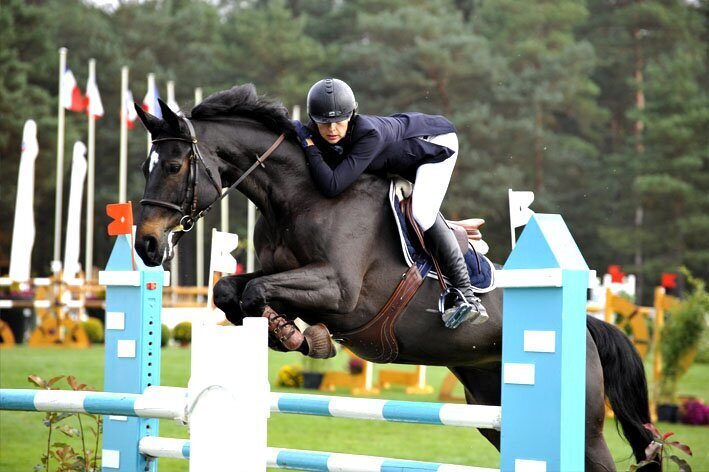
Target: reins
x=188, y=209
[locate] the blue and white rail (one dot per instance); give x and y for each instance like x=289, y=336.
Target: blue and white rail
x=297, y=459
x=171, y=403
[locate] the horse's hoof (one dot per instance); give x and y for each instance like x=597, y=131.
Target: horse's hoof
x=319, y=342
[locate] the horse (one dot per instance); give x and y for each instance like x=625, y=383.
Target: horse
x=336, y=261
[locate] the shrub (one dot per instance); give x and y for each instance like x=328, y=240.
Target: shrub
x=182, y=332
x=94, y=330
x=164, y=335
x=681, y=335
x=290, y=376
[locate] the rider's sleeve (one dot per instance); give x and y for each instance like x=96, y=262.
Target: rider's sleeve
x=333, y=181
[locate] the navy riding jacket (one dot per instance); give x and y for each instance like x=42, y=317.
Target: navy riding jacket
x=379, y=145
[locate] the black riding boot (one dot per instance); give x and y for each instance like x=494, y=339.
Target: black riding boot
x=441, y=241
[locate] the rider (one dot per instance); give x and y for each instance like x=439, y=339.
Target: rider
x=341, y=144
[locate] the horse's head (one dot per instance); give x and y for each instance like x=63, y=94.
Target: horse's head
x=179, y=185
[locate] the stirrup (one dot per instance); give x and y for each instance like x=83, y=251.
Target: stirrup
x=461, y=310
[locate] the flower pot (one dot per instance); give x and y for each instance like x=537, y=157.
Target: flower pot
x=667, y=412
x=312, y=379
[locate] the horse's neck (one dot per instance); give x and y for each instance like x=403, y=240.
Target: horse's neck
x=283, y=179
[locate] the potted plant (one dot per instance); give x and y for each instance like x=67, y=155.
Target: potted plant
x=314, y=371
x=182, y=333
x=679, y=343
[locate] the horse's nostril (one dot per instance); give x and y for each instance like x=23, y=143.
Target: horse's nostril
x=151, y=244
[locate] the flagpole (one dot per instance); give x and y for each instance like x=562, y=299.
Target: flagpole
x=59, y=196
x=224, y=207
x=151, y=85
x=200, y=222
x=89, y=258
x=250, y=234
x=123, y=153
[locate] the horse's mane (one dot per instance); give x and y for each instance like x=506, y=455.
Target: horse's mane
x=243, y=101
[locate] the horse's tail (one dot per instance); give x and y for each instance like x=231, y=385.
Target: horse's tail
x=624, y=383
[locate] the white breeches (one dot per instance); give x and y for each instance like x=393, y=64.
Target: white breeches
x=432, y=183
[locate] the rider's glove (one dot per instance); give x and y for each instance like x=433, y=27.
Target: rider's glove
x=302, y=132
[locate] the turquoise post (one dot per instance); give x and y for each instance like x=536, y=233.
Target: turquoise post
x=544, y=350
x=133, y=333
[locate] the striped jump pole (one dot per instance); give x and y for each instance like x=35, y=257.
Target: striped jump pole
x=173, y=403
x=297, y=459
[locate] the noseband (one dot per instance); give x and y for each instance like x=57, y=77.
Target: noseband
x=188, y=208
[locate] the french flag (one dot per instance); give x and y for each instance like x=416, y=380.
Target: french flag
x=94, y=106
x=71, y=98
x=150, y=101
x=129, y=113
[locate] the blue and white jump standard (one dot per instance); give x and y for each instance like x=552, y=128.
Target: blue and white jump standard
x=132, y=362
x=544, y=350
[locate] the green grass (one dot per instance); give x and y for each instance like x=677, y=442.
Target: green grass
x=23, y=437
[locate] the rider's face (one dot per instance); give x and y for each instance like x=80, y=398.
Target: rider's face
x=333, y=132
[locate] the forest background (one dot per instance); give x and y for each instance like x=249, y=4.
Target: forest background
x=601, y=107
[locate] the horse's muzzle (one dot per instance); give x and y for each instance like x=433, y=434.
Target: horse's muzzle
x=149, y=249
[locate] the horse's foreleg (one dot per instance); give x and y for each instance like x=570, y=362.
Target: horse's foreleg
x=313, y=288
x=310, y=288
x=227, y=295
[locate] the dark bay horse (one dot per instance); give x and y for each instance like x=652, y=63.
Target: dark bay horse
x=336, y=260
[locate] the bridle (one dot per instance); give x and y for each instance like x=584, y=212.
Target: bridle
x=188, y=208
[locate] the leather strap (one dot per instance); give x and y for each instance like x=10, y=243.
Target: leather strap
x=376, y=340
x=407, y=208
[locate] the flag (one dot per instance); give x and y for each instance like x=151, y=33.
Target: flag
x=122, y=214
x=616, y=273
x=150, y=101
x=71, y=98
x=23, y=231
x=73, y=222
x=221, y=259
x=669, y=280
x=94, y=107
x=519, y=207
x=129, y=113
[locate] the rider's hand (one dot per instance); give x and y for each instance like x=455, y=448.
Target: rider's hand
x=303, y=134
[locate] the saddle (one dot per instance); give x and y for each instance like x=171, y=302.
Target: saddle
x=376, y=340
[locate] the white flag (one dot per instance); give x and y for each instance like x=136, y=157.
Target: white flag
x=519, y=207
x=221, y=259
x=94, y=107
x=23, y=231
x=73, y=222
x=519, y=210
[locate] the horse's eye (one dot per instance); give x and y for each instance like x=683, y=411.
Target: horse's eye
x=174, y=168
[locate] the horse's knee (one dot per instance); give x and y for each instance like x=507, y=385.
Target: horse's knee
x=253, y=298
x=226, y=298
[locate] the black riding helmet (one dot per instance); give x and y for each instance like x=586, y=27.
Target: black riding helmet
x=331, y=100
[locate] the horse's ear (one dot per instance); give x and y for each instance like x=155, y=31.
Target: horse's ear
x=151, y=123
x=173, y=121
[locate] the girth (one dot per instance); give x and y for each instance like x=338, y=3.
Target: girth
x=376, y=341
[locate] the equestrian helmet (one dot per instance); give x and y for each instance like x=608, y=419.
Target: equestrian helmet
x=330, y=101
